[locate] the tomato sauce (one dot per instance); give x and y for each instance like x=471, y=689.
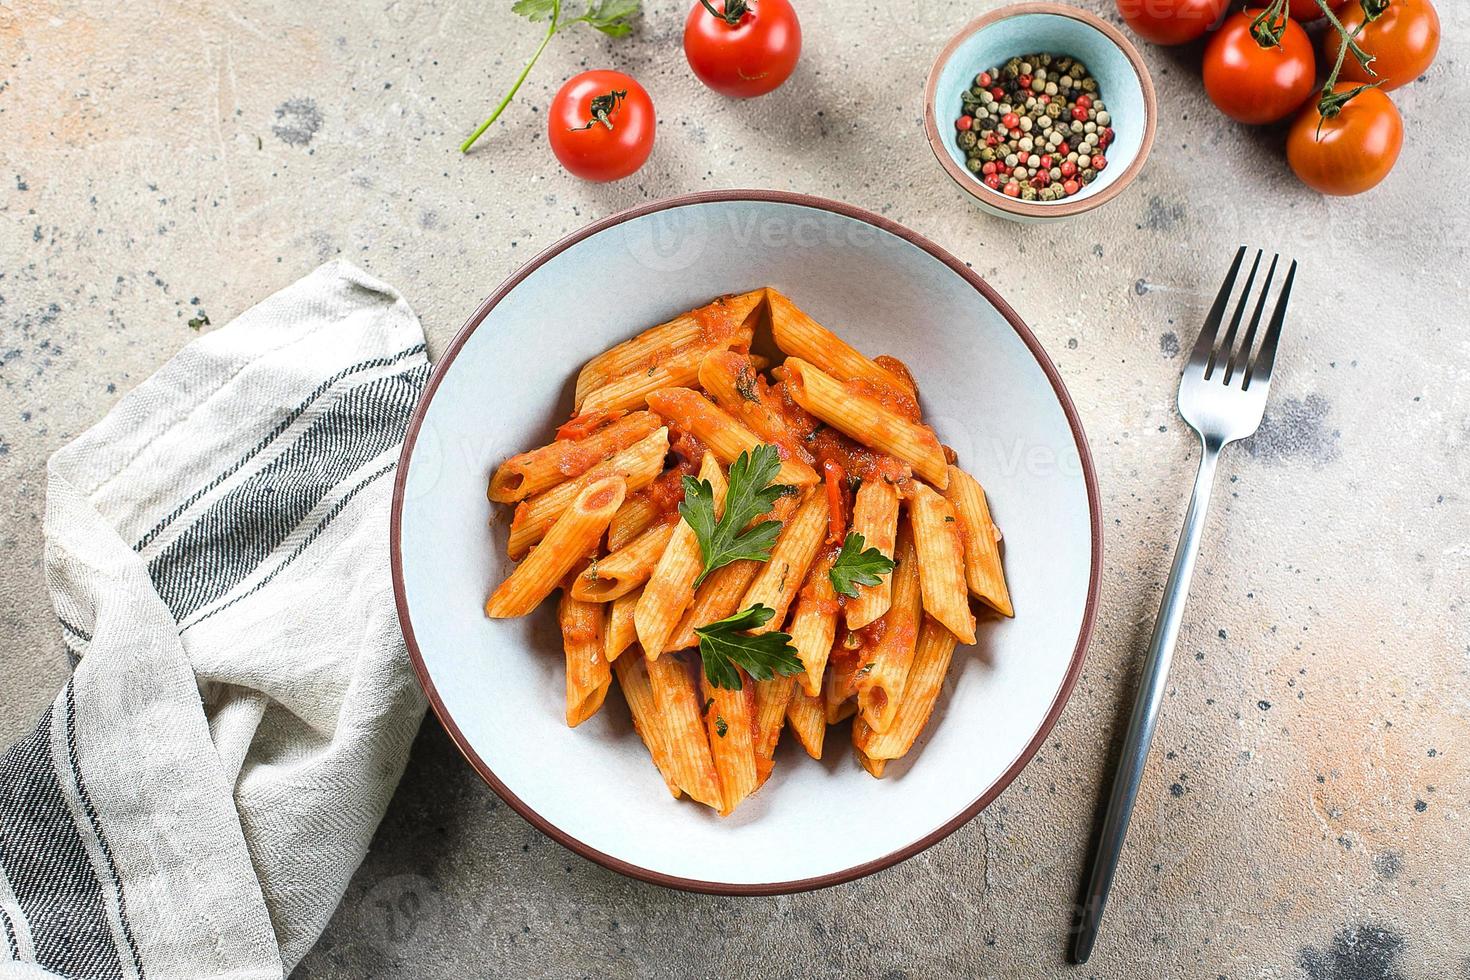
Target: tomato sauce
x=584, y=425
x=686, y=453
x=717, y=321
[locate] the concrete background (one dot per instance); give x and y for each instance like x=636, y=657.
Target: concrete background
x=1304, y=810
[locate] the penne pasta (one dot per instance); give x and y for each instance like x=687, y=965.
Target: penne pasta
x=733, y=381
x=637, y=515
x=771, y=699
x=570, y=540
x=941, y=561
x=807, y=715
x=866, y=419
x=839, y=696
x=528, y=474
x=984, y=574
x=932, y=655
x=874, y=767
x=633, y=679
x=706, y=328
x=880, y=680
x=726, y=438
x=637, y=465
x=670, y=588
x=582, y=637
x=620, y=631
x=677, y=697
x=875, y=517
x=625, y=569
x=813, y=625
x=729, y=719
x=800, y=336
x=776, y=582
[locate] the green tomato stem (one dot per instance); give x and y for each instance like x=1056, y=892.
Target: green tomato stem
x=550, y=33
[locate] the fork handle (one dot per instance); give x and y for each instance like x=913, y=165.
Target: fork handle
x=1146, y=710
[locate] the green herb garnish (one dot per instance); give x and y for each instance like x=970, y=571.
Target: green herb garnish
x=725, y=645
x=720, y=727
x=750, y=495
x=856, y=565
x=611, y=17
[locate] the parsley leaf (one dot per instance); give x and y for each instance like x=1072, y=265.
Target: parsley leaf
x=535, y=9
x=856, y=565
x=611, y=17
x=724, y=645
x=721, y=727
x=750, y=495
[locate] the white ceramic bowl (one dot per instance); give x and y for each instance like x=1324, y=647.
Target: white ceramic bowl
x=1050, y=28
x=506, y=381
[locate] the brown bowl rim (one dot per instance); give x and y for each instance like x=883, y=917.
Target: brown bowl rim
x=1032, y=209
x=1084, y=633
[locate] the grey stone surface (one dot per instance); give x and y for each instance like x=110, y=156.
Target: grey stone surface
x=1304, y=810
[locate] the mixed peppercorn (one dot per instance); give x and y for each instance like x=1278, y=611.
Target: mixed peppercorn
x=1035, y=128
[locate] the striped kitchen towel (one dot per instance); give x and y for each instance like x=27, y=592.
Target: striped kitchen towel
x=196, y=799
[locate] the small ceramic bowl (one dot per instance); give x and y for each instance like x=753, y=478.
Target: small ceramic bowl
x=1052, y=28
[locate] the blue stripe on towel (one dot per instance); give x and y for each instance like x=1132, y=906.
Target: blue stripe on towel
x=47, y=864
x=236, y=533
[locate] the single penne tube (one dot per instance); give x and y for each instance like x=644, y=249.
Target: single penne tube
x=813, y=625
x=771, y=699
x=807, y=715
x=733, y=381
x=527, y=474
x=632, y=673
x=637, y=515
x=670, y=587
x=941, y=561
x=873, y=766
x=984, y=574
x=726, y=438
x=875, y=517
x=620, y=632
x=839, y=696
x=729, y=721
x=572, y=537
x=582, y=638
x=624, y=570
x=778, y=580
x=932, y=656
x=880, y=680
x=677, y=697
x=637, y=465
x=721, y=592
x=706, y=327
x=866, y=419
x=800, y=336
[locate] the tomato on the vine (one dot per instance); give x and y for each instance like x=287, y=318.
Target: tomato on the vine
x=600, y=125
x=1354, y=150
x=1305, y=10
x=1171, y=21
x=1403, y=39
x=1254, y=81
x=742, y=48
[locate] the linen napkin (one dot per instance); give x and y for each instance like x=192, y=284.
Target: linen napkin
x=197, y=797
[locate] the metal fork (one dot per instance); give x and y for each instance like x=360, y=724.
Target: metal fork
x=1222, y=396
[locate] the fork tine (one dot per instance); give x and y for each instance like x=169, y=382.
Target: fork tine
x=1245, y=294
x=1240, y=357
x=1266, y=357
x=1206, y=342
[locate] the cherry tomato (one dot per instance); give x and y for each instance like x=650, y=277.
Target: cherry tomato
x=600, y=125
x=1307, y=10
x=1255, y=84
x=1171, y=21
x=1355, y=149
x=742, y=48
x=1403, y=41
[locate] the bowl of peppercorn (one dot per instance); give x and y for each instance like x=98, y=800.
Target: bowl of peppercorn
x=1040, y=111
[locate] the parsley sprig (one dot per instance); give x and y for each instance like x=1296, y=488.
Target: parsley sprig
x=611, y=17
x=725, y=645
x=751, y=494
x=856, y=565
